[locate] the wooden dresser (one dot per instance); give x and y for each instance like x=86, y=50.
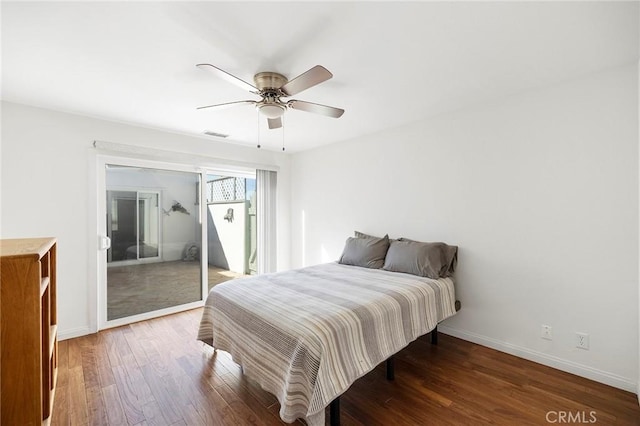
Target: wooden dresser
x=28, y=330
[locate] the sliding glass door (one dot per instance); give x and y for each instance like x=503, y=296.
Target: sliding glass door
x=170, y=232
x=154, y=223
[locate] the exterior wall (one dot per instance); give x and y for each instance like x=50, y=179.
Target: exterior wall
x=227, y=238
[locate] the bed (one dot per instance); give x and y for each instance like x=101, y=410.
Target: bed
x=306, y=335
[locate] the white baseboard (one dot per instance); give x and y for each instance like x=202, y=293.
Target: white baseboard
x=74, y=332
x=545, y=359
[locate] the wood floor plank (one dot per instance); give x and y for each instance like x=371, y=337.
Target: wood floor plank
x=155, y=359
x=63, y=363
x=192, y=417
x=122, y=346
x=89, y=367
x=78, y=410
x=139, y=386
x=131, y=404
x=238, y=405
x=60, y=414
x=137, y=344
x=205, y=380
x=97, y=412
x=110, y=338
x=103, y=363
x=259, y=400
x=153, y=415
x=196, y=399
x=163, y=389
x=141, y=329
x=113, y=403
x=207, y=369
x=156, y=373
x=74, y=353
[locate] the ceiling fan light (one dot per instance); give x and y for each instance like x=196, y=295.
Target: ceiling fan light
x=272, y=111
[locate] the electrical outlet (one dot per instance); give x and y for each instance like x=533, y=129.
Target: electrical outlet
x=546, y=333
x=582, y=341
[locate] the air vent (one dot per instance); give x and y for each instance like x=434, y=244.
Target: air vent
x=217, y=135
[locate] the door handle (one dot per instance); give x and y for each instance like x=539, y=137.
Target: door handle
x=104, y=242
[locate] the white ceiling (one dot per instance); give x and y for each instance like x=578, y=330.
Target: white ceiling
x=393, y=63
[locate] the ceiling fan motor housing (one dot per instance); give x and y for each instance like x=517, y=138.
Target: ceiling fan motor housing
x=269, y=84
x=269, y=80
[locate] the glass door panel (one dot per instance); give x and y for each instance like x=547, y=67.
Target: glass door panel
x=153, y=220
x=231, y=226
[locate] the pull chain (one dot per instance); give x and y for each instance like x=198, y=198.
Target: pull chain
x=282, y=133
x=258, y=121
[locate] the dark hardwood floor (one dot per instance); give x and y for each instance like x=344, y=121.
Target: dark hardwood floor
x=156, y=373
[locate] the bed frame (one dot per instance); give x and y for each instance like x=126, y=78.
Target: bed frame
x=334, y=407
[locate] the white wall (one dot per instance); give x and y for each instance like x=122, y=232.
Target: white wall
x=540, y=193
x=48, y=189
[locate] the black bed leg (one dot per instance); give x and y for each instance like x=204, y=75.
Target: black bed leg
x=390, y=369
x=434, y=336
x=334, y=412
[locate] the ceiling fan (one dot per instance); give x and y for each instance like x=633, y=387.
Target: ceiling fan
x=272, y=87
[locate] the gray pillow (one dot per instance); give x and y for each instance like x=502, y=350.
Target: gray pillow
x=359, y=234
x=365, y=252
x=450, y=254
x=432, y=260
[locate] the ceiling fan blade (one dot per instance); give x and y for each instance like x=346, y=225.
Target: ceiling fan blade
x=228, y=104
x=315, y=108
x=310, y=78
x=228, y=77
x=274, y=123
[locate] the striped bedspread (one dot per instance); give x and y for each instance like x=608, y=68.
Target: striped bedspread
x=306, y=335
